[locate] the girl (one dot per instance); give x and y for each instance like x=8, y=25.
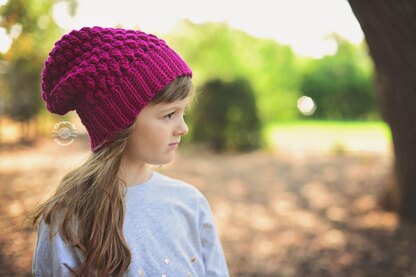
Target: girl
x=114, y=215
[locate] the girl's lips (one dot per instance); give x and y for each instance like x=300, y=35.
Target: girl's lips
x=174, y=145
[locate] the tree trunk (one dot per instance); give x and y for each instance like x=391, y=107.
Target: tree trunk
x=390, y=31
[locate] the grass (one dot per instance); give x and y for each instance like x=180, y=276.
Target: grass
x=336, y=136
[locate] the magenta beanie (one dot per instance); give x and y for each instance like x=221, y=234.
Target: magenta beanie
x=107, y=75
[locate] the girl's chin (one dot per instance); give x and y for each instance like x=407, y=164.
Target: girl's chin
x=165, y=160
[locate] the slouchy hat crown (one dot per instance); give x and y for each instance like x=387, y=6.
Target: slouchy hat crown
x=107, y=75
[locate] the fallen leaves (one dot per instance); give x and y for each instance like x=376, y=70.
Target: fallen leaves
x=277, y=214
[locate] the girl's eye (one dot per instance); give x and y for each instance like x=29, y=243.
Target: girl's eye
x=170, y=115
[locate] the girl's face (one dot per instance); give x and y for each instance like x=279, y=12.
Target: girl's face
x=157, y=132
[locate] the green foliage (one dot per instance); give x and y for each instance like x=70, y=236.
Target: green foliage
x=25, y=100
x=32, y=27
x=341, y=85
x=214, y=50
x=226, y=116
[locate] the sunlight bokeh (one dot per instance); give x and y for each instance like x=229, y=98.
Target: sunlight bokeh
x=302, y=24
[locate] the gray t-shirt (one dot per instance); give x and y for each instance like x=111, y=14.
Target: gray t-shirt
x=169, y=229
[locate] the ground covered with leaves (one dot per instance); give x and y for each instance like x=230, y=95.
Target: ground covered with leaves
x=278, y=213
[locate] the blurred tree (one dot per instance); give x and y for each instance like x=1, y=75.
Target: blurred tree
x=214, y=50
x=389, y=28
x=226, y=116
x=31, y=25
x=341, y=84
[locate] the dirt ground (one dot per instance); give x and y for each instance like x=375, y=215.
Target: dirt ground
x=278, y=214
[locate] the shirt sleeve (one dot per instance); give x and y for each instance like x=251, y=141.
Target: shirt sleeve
x=53, y=256
x=213, y=255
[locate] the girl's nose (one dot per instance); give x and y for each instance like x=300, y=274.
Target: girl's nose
x=182, y=128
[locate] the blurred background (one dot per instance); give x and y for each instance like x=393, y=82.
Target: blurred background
x=294, y=137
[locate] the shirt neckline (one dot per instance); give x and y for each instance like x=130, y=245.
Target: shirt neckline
x=144, y=183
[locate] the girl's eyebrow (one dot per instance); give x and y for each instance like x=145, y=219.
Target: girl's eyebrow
x=164, y=110
x=173, y=107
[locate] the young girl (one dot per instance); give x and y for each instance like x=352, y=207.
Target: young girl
x=114, y=215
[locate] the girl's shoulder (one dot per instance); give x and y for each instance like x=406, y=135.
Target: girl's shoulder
x=176, y=186
x=163, y=185
x=172, y=183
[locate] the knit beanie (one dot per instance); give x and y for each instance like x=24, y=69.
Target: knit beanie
x=107, y=75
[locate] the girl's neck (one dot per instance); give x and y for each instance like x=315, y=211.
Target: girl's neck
x=135, y=174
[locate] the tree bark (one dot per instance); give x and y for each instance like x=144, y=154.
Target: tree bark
x=390, y=32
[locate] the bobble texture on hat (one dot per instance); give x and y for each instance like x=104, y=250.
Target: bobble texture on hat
x=107, y=75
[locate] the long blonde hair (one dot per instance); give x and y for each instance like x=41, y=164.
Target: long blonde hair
x=88, y=205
